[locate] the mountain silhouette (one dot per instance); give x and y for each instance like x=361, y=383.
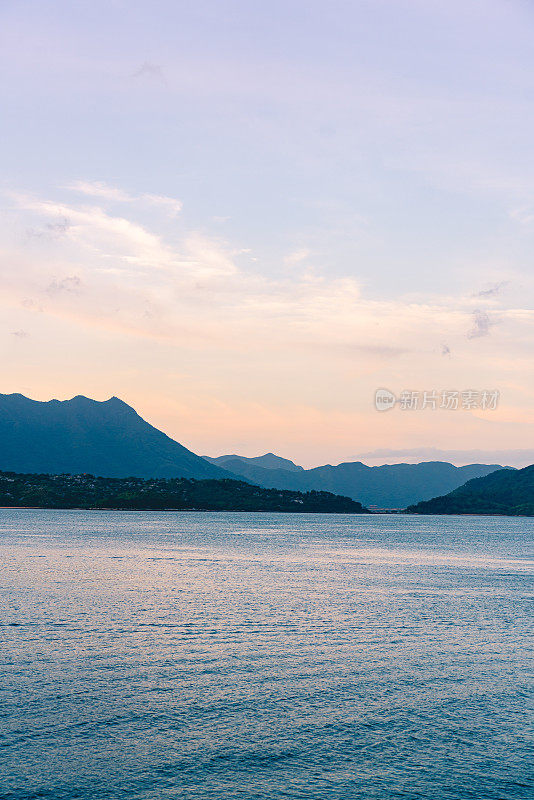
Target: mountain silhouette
x=268, y=461
x=389, y=486
x=110, y=439
x=81, y=435
x=509, y=492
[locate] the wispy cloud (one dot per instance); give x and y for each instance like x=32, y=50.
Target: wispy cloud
x=72, y=283
x=112, y=237
x=481, y=324
x=523, y=214
x=169, y=204
x=150, y=70
x=493, y=290
x=113, y=272
x=103, y=190
x=297, y=257
x=51, y=230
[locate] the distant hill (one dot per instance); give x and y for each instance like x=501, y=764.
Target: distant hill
x=87, y=491
x=509, y=492
x=268, y=461
x=81, y=435
x=388, y=486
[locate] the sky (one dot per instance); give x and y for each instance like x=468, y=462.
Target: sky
x=244, y=218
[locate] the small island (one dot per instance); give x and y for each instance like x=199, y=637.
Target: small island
x=162, y=494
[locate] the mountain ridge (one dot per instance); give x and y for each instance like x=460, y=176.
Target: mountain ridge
x=267, y=461
x=82, y=435
x=504, y=492
x=390, y=486
x=109, y=438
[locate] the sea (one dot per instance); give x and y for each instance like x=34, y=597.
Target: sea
x=226, y=656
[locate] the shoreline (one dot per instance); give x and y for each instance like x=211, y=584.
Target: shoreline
x=254, y=511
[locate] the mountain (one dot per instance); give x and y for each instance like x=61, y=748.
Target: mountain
x=110, y=439
x=388, y=486
x=268, y=461
x=509, y=492
x=87, y=491
x=81, y=435
x=245, y=468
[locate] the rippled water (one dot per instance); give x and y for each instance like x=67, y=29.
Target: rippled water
x=229, y=656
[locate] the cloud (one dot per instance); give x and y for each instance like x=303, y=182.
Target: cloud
x=207, y=258
x=111, y=237
x=52, y=230
x=297, y=257
x=493, y=290
x=106, y=192
x=72, y=283
x=111, y=272
x=101, y=189
x=150, y=70
x=374, y=351
x=481, y=325
x=170, y=204
x=20, y=334
x=524, y=215
x=60, y=227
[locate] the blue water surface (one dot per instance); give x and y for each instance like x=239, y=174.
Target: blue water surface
x=258, y=656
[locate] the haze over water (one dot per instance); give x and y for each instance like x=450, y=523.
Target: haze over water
x=203, y=656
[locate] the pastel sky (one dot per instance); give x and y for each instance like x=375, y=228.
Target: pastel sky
x=244, y=217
